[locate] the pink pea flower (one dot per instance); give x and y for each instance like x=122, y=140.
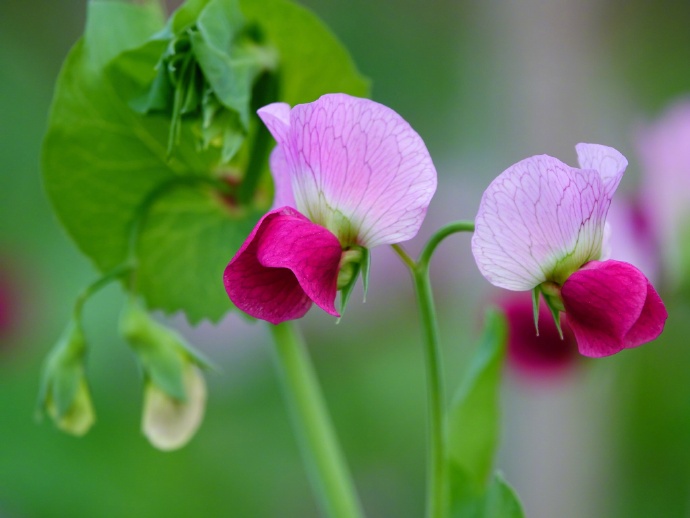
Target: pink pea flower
x=664, y=150
x=545, y=355
x=540, y=226
x=349, y=174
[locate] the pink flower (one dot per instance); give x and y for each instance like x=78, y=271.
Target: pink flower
x=349, y=174
x=536, y=356
x=540, y=226
x=664, y=149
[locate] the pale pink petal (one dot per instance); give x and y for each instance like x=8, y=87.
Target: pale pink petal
x=357, y=168
x=610, y=163
x=539, y=220
x=286, y=263
x=276, y=117
x=607, y=309
x=282, y=182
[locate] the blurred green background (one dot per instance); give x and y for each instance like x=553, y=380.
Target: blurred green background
x=485, y=84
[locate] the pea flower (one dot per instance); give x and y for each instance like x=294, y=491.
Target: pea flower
x=542, y=356
x=664, y=150
x=540, y=226
x=349, y=174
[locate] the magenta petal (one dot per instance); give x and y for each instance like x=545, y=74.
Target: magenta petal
x=286, y=263
x=537, y=356
x=604, y=301
x=651, y=322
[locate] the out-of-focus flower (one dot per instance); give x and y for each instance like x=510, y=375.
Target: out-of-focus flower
x=349, y=174
x=542, y=355
x=664, y=149
x=11, y=300
x=64, y=392
x=540, y=226
x=631, y=237
x=174, y=387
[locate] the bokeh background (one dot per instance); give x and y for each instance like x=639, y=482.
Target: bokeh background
x=485, y=84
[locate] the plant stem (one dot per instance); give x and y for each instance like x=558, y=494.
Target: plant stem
x=325, y=463
x=438, y=468
x=437, y=481
x=440, y=235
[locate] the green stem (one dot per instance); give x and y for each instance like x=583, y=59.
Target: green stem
x=325, y=463
x=438, y=469
x=97, y=285
x=440, y=235
x=437, y=482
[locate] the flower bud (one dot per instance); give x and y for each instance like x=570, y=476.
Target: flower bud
x=174, y=388
x=169, y=423
x=64, y=392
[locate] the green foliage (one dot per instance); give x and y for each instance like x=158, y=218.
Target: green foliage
x=498, y=500
x=474, y=429
x=474, y=414
x=153, y=152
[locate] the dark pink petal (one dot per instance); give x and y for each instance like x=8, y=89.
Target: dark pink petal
x=604, y=301
x=537, y=356
x=286, y=263
x=651, y=322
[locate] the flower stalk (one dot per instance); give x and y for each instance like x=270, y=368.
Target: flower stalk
x=438, y=469
x=325, y=463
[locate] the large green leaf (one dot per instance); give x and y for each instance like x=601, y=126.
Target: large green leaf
x=474, y=414
x=103, y=161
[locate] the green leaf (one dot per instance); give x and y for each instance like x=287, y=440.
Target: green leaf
x=498, y=500
x=190, y=230
x=115, y=26
x=501, y=501
x=312, y=62
x=474, y=414
x=103, y=162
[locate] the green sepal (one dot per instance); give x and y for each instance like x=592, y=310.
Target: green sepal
x=535, y=307
x=354, y=262
x=162, y=353
x=554, y=301
x=346, y=291
x=365, y=266
x=556, y=314
x=473, y=418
